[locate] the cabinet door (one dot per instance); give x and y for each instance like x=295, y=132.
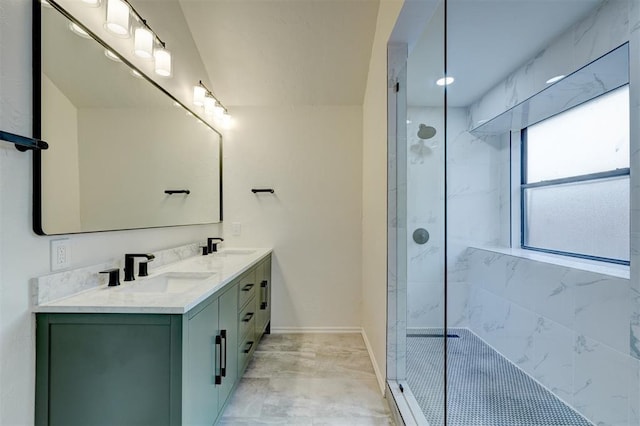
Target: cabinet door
x=228, y=316
x=203, y=368
x=264, y=296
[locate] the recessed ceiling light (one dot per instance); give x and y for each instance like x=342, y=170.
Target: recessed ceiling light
x=556, y=78
x=76, y=29
x=445, y=81
x=109, y=54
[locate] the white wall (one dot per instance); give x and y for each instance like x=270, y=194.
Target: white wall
x=61, y=185
x=374, y=184
x=311, y=157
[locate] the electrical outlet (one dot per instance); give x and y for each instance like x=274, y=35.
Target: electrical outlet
x=60, y=254
x=236, y=229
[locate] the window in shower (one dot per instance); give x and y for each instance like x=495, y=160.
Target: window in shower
x=575, y=181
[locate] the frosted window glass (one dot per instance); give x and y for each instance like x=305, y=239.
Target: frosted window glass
x=592, y=137
x=590, y=218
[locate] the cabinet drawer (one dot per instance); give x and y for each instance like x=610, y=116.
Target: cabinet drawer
x=245, y=351
x=246, y=288
x=246, y=321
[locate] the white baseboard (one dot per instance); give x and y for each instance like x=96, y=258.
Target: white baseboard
x=294, y=330
x=376, y=370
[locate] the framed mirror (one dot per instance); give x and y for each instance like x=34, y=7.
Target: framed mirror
x=123, y=152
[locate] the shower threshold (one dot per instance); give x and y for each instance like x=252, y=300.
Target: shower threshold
x=483, y=387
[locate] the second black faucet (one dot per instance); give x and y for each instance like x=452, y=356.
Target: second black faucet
x=129, y=274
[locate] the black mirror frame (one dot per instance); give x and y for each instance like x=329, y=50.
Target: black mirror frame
x=37, y=122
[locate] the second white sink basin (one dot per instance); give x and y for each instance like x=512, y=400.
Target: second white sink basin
x=169, y=282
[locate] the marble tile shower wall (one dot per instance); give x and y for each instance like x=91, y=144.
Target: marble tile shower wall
x=477, y=197
x=567, y=328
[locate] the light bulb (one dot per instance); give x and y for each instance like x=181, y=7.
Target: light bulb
x=118, y=17
x=209, y=105
x=163, y=62
x=143, y=43
x=198, y=95
x=92, y=3
x=76, y=29
x=445, y=81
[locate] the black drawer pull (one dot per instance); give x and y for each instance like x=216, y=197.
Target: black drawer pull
x=247, y=317
x=264, y=295
x=217, y=354
x=223, y=356
x=248, y=349
x=247, y=287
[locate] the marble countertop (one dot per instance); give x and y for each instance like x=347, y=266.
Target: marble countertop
x=224, y=266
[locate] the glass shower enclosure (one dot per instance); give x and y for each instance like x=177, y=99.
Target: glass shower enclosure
x=514, y=299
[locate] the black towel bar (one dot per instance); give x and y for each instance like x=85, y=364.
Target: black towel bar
x=177, y=191
x=23, y=143
x=255, y=191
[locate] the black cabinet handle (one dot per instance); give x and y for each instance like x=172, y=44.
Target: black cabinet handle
x=217, y=354
x=264, y=295
x=247, y=349
x=247, y=287
x=223, y=361
x=247, y=317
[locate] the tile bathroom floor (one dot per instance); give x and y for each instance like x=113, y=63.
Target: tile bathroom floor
x=309, y=379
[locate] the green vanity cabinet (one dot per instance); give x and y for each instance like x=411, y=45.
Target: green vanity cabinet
x=211, y=367
x=144, y=369
x=263, y=301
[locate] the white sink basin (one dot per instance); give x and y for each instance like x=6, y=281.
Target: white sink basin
x=169, y=282
x=204, y=264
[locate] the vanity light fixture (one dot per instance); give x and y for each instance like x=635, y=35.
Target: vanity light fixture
x=555, y=79
x=445, y=81
x=143, y=43
x=204, y=97
x=163, y=62
x=118, y=14
x=199, y=93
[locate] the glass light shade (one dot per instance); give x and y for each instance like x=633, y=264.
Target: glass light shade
x=143, y=43
x=109, y=54
x=209, y=105
x=118, y=17
x=198, y=95
x=226, y=119
x=75, y=28
x=163, y=62
x=218, y=110
x=92, y=3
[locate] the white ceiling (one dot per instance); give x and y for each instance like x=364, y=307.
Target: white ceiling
x=486, y=41
x=284, y=52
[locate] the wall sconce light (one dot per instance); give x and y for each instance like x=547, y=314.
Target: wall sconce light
x=204, y=97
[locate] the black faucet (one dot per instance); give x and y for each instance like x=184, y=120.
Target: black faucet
x=128, y=265
x=213, y=246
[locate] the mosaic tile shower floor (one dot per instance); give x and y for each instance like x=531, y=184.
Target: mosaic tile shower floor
x=483, y=387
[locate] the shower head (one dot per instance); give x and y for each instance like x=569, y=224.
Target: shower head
x=426, y=132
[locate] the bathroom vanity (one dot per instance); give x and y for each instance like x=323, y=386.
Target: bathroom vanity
x=168, y=349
